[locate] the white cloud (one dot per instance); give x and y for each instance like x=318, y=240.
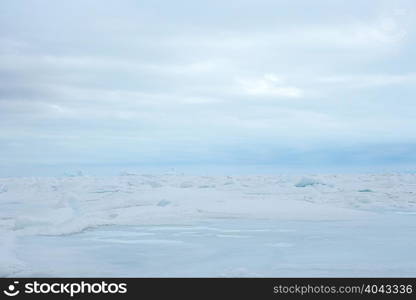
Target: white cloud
x=269, y=85
x=171, y=74
x=368, y=80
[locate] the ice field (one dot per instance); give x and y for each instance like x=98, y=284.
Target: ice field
x=234, y=226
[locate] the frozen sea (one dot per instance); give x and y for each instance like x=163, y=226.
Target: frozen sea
x=173, y=225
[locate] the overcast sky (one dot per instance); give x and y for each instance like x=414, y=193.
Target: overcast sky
x=288, y=83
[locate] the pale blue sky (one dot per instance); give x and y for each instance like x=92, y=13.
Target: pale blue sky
x=286, y=83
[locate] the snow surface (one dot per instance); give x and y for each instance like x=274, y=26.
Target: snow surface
x=177, y=225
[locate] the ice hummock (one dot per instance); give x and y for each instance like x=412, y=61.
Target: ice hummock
x=305, y=181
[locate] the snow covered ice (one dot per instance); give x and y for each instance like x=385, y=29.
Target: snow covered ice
x=177, y=225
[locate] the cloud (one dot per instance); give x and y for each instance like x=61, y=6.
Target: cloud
x=369, y=80
x=241, y=81
x=270, y=86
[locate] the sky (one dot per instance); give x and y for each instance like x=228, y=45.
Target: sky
x=293, y=84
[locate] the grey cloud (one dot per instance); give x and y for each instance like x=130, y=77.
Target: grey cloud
x=194, y=80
